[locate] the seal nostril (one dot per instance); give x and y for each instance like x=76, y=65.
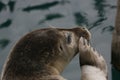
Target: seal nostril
x=83, y=28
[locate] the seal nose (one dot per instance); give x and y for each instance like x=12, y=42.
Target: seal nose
x=88, y=32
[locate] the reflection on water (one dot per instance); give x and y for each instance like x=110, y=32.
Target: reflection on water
x=15, y=21
x=49, y=17
x=2, y=6
x=4, y=43
x=99, y=6
x=6, y=24
x=80, y=19
x=97, y=23
x=44, y=6
x=108, y=28
x=11, y=5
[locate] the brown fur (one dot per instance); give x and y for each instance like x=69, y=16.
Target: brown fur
x=42, y=53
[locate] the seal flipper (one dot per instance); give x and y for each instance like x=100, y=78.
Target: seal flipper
x=93, y=65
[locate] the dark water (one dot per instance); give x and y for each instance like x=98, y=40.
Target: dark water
x=18, y=17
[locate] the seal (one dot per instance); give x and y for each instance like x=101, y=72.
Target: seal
x=43, y=54
x=93, y=65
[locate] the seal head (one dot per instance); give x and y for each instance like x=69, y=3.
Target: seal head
x=42, y=53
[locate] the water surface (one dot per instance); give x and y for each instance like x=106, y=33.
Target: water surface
x=18, y=17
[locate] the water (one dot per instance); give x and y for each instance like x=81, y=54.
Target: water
x=18, y=17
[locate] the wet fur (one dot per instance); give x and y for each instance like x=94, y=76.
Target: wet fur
x=42, y=53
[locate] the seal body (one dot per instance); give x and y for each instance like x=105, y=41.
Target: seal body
x=43, y=54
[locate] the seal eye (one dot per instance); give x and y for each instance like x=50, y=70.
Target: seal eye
x=68, y=38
